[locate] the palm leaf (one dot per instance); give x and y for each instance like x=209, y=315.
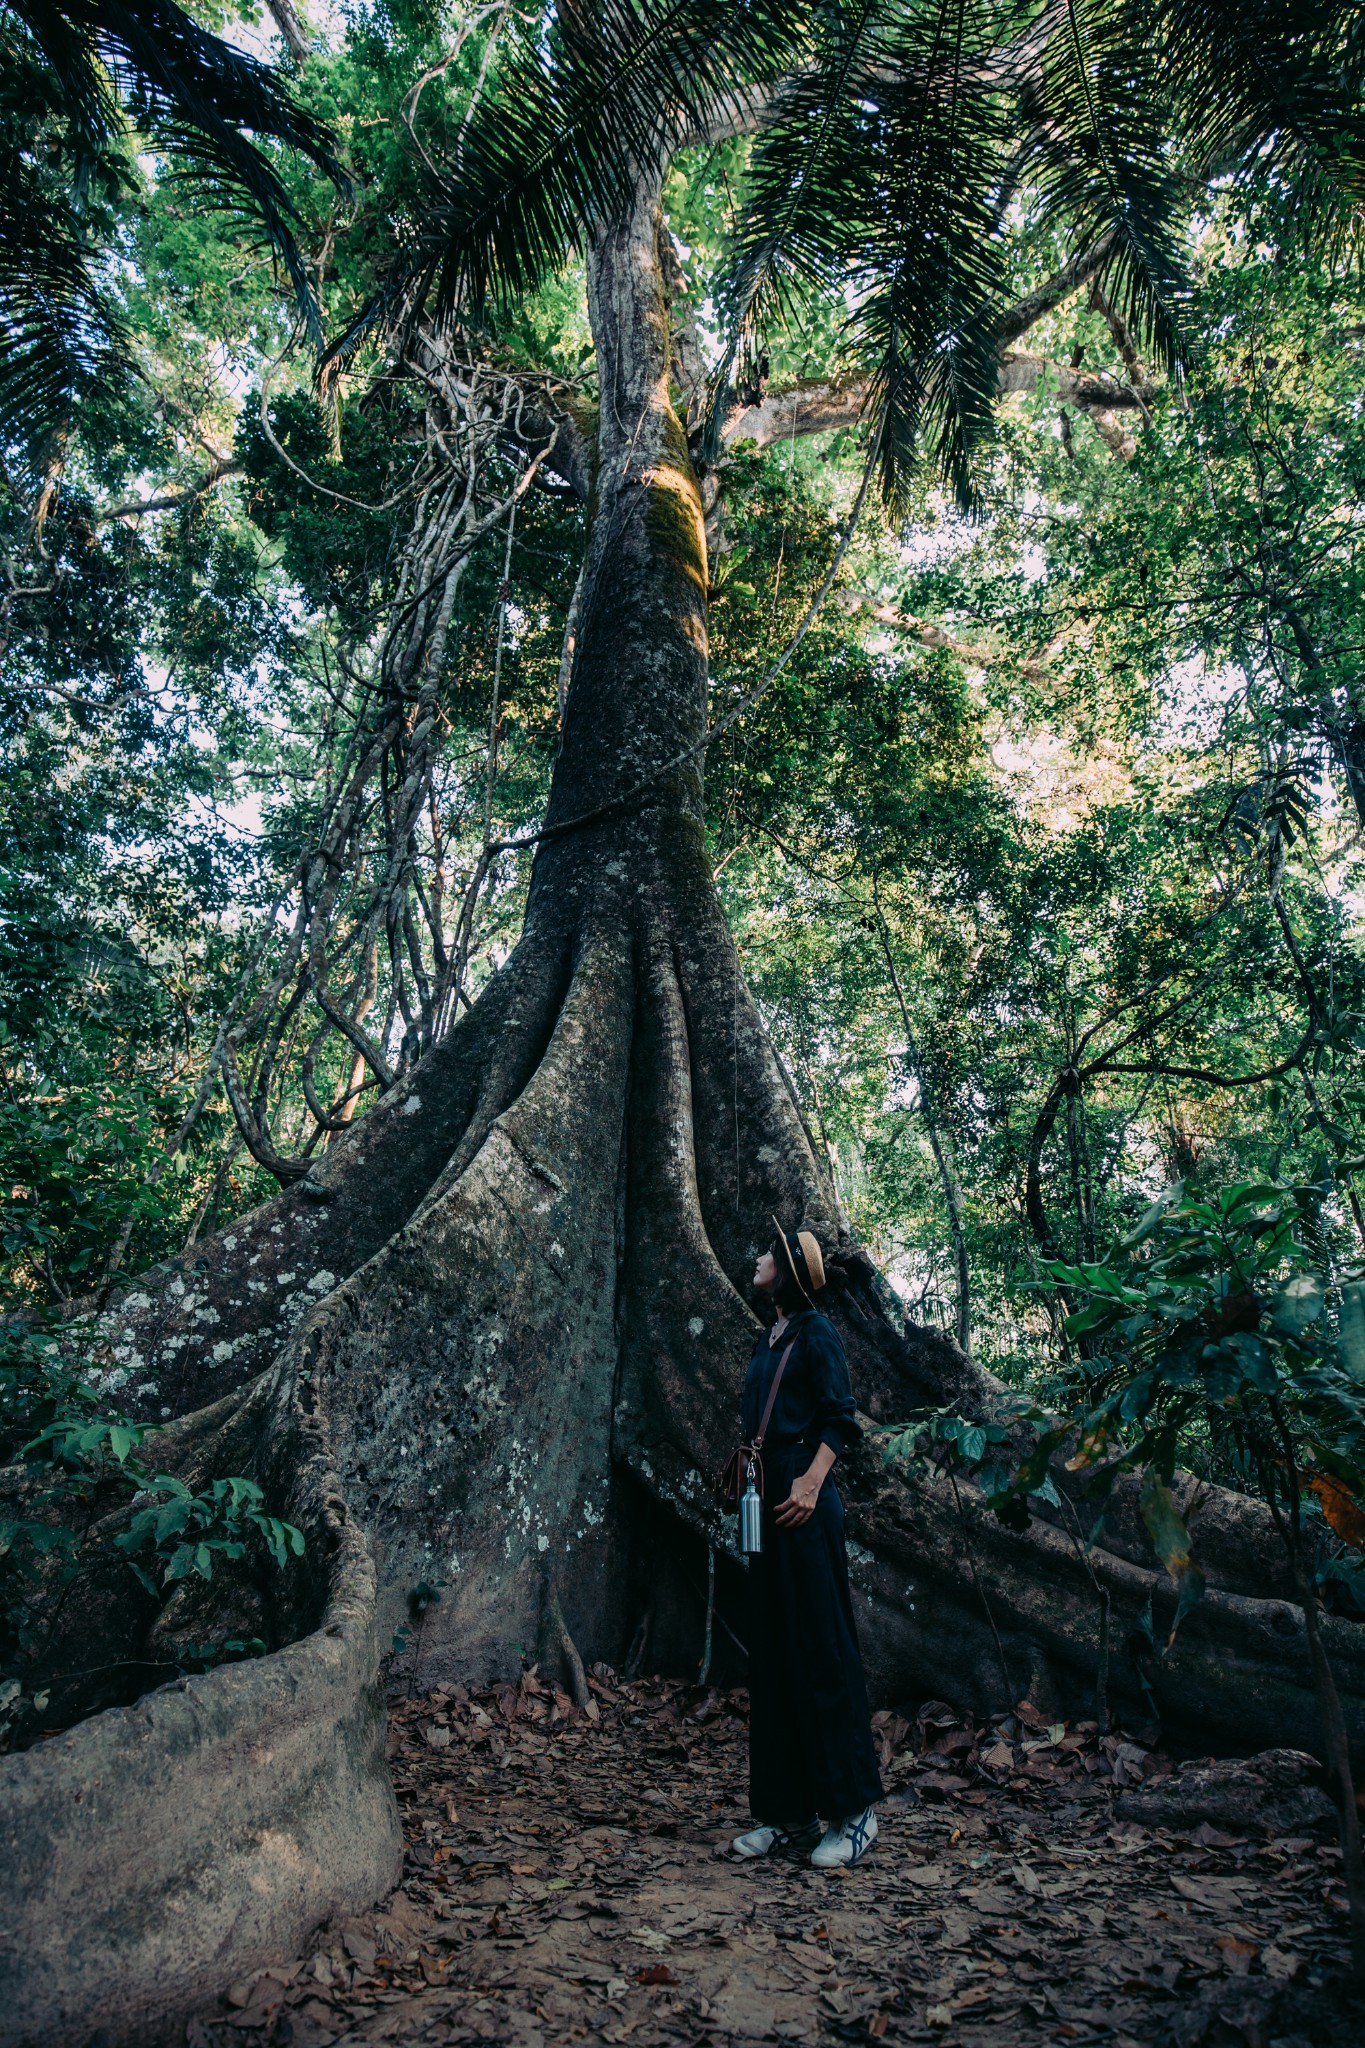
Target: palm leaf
x=1130, y=110
x=1270, y=83
x=87, y=63
x=575, y=114
x=805, y=139
x=59, y=332
x=1100, y=153
x=880, y=177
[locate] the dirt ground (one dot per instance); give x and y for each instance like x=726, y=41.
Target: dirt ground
x=568, y=1879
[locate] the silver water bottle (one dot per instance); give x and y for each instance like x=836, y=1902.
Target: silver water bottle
x=751, y=1517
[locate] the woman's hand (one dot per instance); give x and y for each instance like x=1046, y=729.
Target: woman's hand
x=799, y=1505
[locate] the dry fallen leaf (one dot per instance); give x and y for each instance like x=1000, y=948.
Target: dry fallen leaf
x=359, y=1948
x=1220, y=1893
x=1340, y=1508
x=624, y=1826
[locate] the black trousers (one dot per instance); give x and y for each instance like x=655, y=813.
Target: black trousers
x=810, y=1742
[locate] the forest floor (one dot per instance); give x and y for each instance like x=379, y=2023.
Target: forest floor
x=568, y=1879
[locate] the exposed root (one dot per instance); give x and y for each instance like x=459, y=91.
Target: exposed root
x=190, y=1330
x=542, y=1245
x=578, y=1677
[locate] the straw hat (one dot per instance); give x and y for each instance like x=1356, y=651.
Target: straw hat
x=804, y=1258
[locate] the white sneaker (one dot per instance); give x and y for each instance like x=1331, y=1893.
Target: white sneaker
x=765, y=1841
x=848, y=1843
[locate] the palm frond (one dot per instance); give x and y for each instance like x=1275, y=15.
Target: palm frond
x=1269, y=83
x=1101, y=153
x=58, y=333
x=896, y=136
x=880, y=176
x=799, y=169
x=1131, y=110
x=576, y=112
x=934, y=257
x=86, y=64
x=209, y=106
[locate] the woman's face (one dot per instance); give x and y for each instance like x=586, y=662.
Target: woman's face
x=765, y=1273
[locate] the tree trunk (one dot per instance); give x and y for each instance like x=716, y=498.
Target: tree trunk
x=513, y=1297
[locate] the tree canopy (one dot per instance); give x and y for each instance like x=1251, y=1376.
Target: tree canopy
x=1042, y=849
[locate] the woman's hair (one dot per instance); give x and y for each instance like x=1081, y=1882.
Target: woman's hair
x=787, y=1294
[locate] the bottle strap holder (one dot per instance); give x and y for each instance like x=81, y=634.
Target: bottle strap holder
x=734, y=1477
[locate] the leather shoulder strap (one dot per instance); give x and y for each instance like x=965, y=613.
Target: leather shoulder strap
x=772, y=1395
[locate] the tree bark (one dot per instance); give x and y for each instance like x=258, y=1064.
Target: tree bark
x=291, y=28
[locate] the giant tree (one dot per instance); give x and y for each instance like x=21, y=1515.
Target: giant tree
x=510, y=1300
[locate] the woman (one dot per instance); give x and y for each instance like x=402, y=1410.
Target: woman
x=810, y=1742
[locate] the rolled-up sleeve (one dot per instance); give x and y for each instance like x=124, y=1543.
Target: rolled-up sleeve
x=835, y=1413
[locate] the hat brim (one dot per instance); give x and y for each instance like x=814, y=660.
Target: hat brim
x=815, y=1263
x=816, y=1269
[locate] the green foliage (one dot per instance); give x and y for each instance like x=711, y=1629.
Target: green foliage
x=1124, y=852
x=897, y=139
x=189, y=1530
x=88, y=1511
x=1209, y=1338
x=572, y=111
x=77, y=80
x=1007, y=1460
x=1205, y=1341
x=1212, y=1332
x=1040, y=853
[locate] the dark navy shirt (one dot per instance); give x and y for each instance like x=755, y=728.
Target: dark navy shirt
x=814, y=1403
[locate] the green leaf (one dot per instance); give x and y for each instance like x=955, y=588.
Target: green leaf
x=1171, y=1541
x=1191, y=1583
x=1164, y=1522
x=1351, y=1330
x=1298, y=1304
x=1152, y=1217
x=1248, y=1195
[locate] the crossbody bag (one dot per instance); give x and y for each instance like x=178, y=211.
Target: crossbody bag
x=734, y=1475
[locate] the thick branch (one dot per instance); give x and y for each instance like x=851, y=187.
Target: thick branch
x=542, y=420
x=814, y=407
x=291, y=28
x=1091, y=390
x=1035, y=305
x=930, y=635
x=168, y=501
x=821, y=404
